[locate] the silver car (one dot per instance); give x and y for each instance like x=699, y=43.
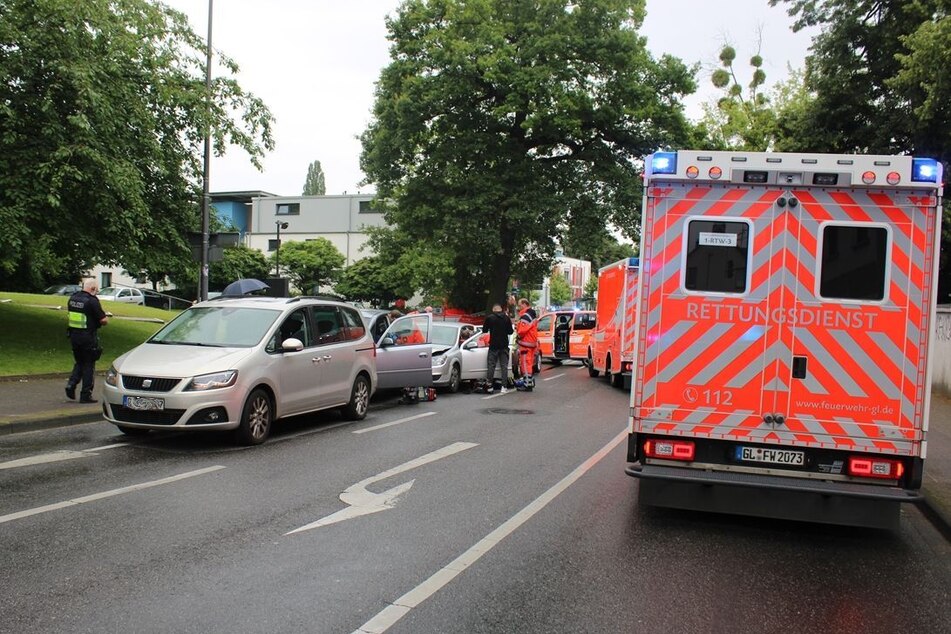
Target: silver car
x=447, y=340
x=242, y=363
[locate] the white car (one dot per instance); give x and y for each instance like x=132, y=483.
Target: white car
x=474, y=357
x=242, y=363
x=126, y=295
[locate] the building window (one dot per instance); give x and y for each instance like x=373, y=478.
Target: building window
x=288, y=209
x=105, y=279
x=272, y=245
x=366, y=207
x=854, y=259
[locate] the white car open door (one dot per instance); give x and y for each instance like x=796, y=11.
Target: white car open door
x=404, y=353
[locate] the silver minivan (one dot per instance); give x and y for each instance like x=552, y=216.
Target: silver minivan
x=242, y=363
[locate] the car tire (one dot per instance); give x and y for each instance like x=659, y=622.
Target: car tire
x=591, y=371
x=617, y=380
x=359, y=403
x=133, y=431
x=257, y=416
x=455, y=379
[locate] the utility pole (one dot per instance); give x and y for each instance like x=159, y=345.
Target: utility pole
x=277, y=254
x=205, y=196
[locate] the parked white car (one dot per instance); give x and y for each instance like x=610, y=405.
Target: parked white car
x=242, y=363
x=474, y=356
x=126, y=295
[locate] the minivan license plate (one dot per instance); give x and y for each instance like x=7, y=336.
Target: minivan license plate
x=773, y=456
x=144, y=403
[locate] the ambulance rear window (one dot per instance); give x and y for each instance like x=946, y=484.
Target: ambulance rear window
x=853, y=262
x=717, y=256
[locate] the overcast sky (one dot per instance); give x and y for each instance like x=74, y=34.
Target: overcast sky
x=315, y=62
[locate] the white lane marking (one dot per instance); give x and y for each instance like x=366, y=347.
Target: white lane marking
x=497, y=394
x=363, y=502
x=277, y=439
x=395, y=422
x=554, y=377
x=56, y=456
x=112, y=446
x=105, y=494
x=388, y=617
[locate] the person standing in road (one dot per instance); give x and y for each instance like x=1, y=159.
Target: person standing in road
x=85, y=316
x=499, y=327
x=527, y=331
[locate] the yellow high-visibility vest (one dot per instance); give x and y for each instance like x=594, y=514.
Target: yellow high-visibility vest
x=77, y=320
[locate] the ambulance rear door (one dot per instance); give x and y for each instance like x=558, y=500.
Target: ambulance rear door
x=857, y=278
x=708, y=259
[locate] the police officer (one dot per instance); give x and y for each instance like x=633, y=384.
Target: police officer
x=85, y=317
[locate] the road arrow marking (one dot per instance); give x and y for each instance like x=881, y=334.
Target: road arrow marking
x=364, y=502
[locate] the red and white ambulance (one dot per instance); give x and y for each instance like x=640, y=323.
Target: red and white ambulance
x=786, y=305
x=611, y=346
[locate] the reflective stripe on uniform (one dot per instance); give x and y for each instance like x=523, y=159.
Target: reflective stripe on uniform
x=77, y=320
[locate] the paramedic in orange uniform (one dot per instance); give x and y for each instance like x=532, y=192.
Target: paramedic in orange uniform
x=527, y=338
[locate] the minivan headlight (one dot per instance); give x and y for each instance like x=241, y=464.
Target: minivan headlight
x=112, y=376
x=212, y=381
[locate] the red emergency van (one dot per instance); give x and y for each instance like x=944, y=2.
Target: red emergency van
x=786, y=304
x=564, y=334
x=611, y=347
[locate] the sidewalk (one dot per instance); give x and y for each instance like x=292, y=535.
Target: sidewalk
x=33, y=403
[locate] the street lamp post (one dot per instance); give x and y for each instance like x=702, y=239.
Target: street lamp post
x=277, y=255
x=205, y=197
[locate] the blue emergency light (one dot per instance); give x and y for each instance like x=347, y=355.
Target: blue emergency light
x=664, y=163
x=924, y=170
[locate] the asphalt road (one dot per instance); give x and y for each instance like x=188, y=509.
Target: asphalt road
x=502, y=514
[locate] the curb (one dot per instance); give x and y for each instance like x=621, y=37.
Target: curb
x=938, y=514
x=49, y=421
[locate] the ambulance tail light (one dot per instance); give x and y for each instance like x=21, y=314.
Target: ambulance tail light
x=868, y=177
x=868, y=467
x=664, y=163
x=924, y=170
x=670, y=449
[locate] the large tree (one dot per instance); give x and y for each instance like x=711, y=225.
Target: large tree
x=103, y=113
x=310, y=264
x=315, y=184
x=237, y=263
x=876, y=82
x=499, y=125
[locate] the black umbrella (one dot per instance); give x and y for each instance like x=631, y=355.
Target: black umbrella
x=243, y=287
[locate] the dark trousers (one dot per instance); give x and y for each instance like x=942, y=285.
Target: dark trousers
x=501, y=358
x=85, y=354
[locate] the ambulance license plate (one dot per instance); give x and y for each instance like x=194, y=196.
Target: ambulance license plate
x=773, y=456
x=147, y=403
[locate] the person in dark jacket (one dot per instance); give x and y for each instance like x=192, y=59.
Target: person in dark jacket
x=84, y=318
x=499, y=327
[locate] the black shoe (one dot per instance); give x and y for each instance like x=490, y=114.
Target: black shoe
x=87, y=399
x=71, y=393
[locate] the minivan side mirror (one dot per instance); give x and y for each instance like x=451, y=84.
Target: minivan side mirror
x=292, y=345
x=387, y=341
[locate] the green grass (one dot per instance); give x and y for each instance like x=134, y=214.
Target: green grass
x=33, y=333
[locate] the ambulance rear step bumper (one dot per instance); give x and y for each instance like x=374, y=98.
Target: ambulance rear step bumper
x=753, y=480
x=843, y=504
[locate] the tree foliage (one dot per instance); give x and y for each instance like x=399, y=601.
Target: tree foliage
x=311, y=264
x=559, y=291
x=372, y=280
x=102, y=120
x=499, y=125
x=237, y=263
x=314, y=185
x=742, y=117
x=877, y=82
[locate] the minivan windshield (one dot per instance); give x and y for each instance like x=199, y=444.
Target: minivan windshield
x=219, y=326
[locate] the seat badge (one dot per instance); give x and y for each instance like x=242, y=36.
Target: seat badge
x=147, y=383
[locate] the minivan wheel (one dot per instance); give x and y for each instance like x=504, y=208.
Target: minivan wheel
x=356, y=409
x=256, y=419
x=455, y=379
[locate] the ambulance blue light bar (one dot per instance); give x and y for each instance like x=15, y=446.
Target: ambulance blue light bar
x=924, y=170
x=664, y=163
